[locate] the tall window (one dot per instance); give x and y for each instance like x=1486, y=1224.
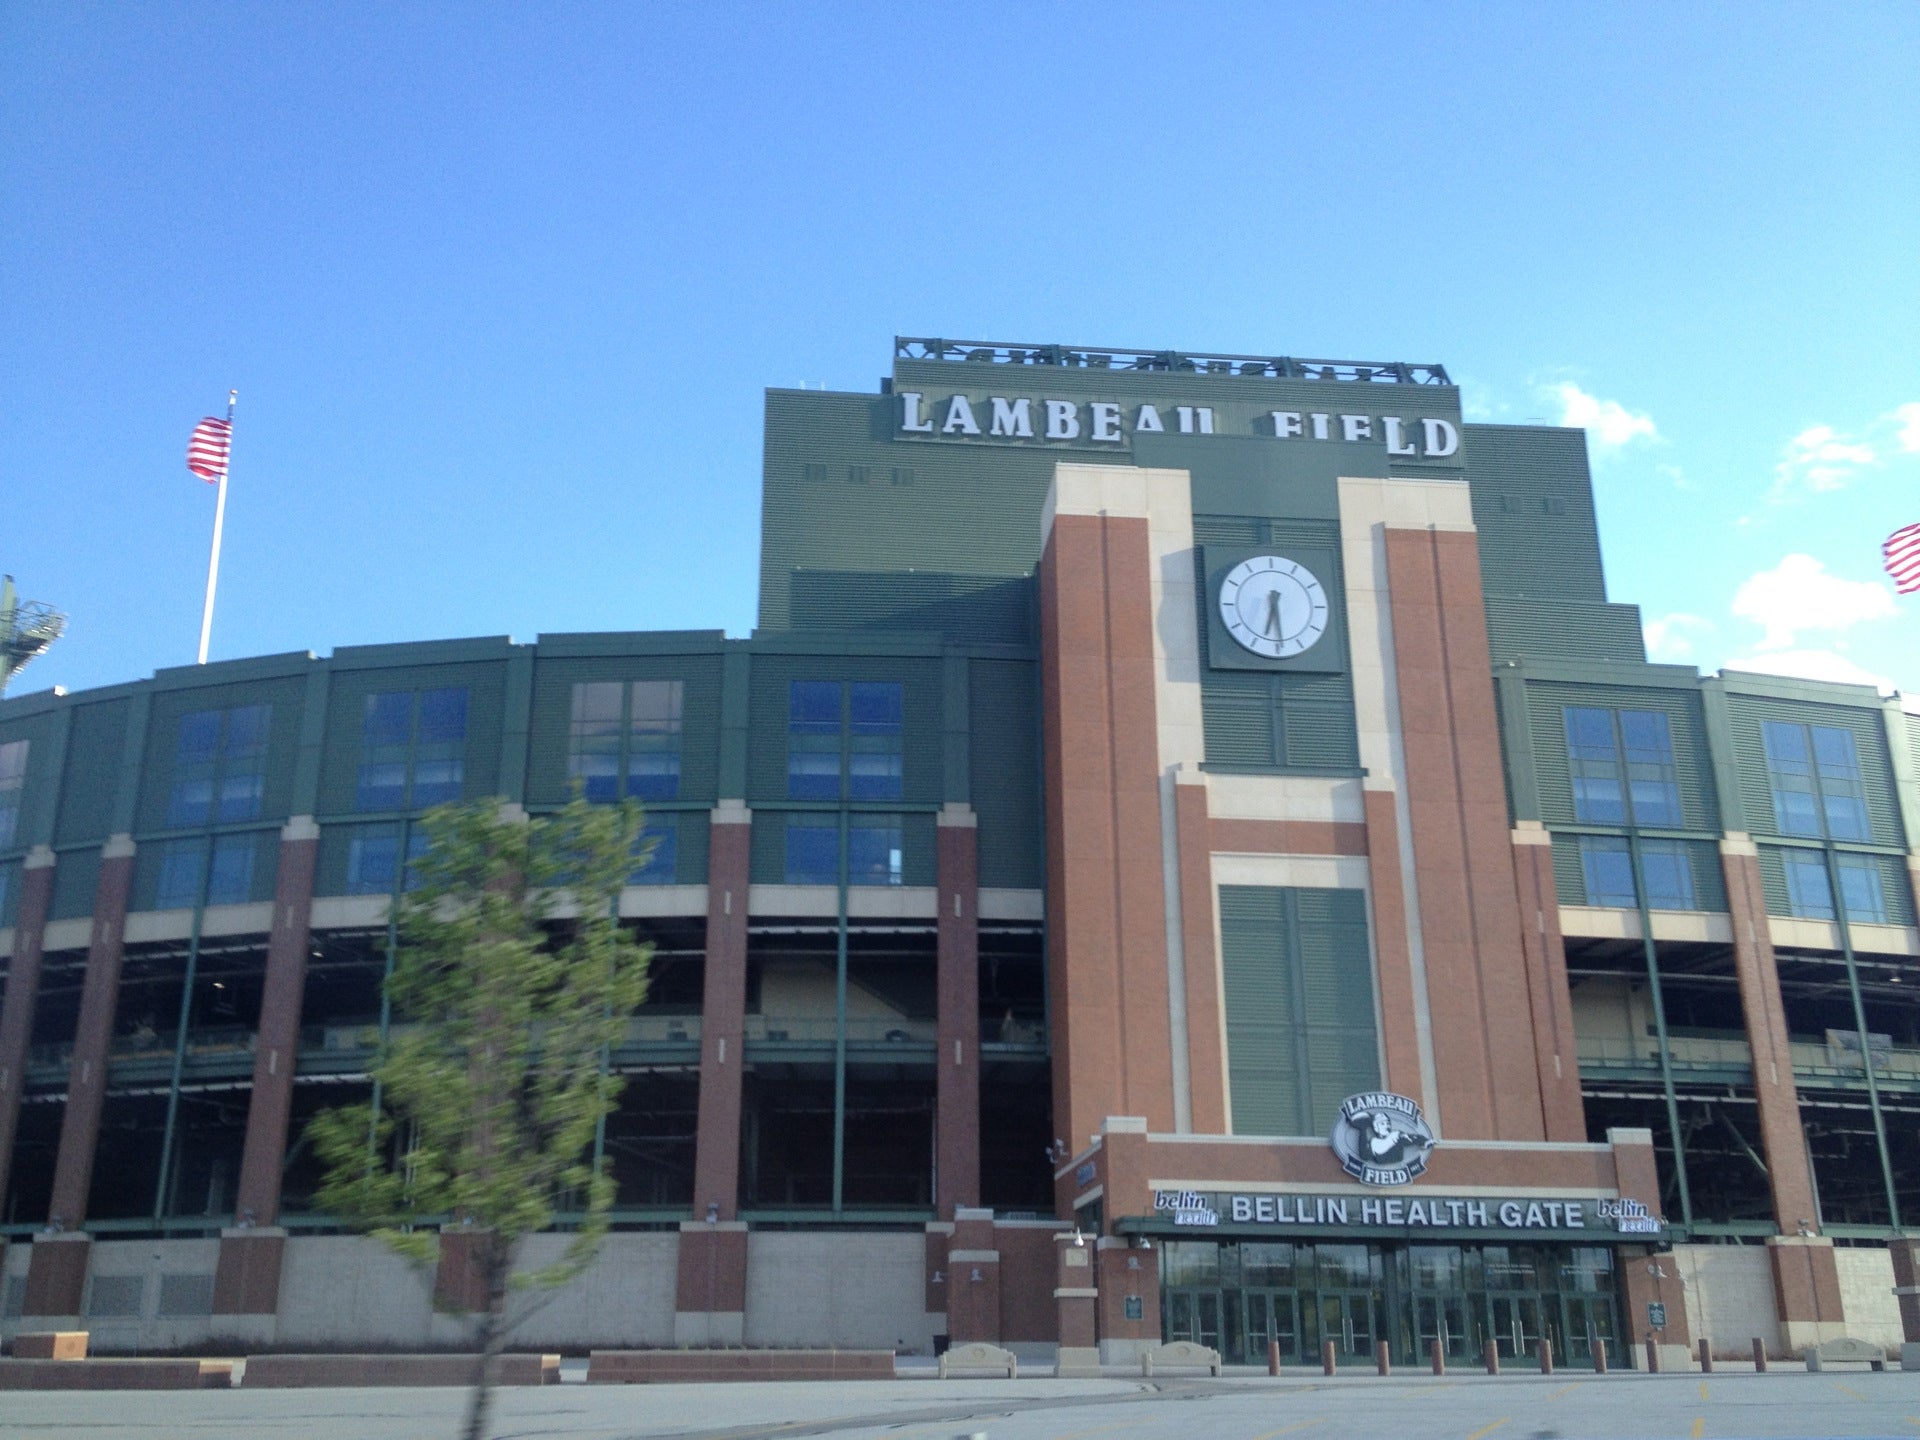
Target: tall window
x=873, y=850
x=195, y=871
x=662, y=865
x=844, y=740
x=1814, y=772
x=219, y=766
x=1810, y=891
x=1621, y=762
x=412, y=748
x=624, y=739
x=372, y=856
x=13, y=782
x=1607, y=865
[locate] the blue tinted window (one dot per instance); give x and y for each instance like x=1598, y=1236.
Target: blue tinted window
x=371, y=856
x=1814, y=773
x=1860, y=888
x=387, y=719
x=443, y=715
x=661, y=866
x=219, y=765
x=1624, y=775
x=1608, y=870
x=813, y=853
x=1606, y=863
x=13, y=781
x=1809, y=895
x=412, y=749
x=230, y=871
x=1668, y=872
x=873, y=850
x=844, y=740
x=178, y=886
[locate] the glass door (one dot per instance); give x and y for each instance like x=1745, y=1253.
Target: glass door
x=1516, y=1326
x=1196, y=1315
x=1442, y=1318
x=1347, y=1318
x=1590, y=1318
x=1272, y=1315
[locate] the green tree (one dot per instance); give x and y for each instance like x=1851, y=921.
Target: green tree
x=512, y=981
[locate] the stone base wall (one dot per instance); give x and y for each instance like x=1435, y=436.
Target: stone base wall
x=1866, y=1290
x=1730, y=1299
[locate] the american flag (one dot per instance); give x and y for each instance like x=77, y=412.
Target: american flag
x=207, y=450
x=1902, y=549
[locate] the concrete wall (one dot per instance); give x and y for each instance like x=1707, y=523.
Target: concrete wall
x=1866, y=1292
x=352, y=1292
x=1729, y=1291
x=625, y=1298
x=822, y=1288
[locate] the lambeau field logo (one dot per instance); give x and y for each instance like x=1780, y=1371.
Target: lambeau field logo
x=1382, y=1138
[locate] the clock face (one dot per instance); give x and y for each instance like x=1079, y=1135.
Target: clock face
x=1273, y=606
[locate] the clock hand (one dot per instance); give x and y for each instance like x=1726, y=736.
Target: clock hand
x=1273, y=613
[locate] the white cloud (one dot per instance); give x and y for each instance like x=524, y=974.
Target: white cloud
x=1670, y=637
x=1820, y=458
x=1609, y=422
x=1813, y=665
x=1907, y=417
x=1798, y=595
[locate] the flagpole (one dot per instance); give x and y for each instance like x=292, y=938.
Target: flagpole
x=219, y=520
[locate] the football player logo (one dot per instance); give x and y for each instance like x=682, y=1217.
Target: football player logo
x=1382, y=1138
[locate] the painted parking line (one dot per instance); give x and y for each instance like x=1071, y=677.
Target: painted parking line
x=1703, y=1389
x=1489, y=1429
x=1289, y=1429
x=1699, y=1426
x=1849, y=1390
x=1565, y=1390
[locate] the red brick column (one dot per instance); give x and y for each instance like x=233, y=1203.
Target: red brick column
x=1806, y=1290
x=1457, y=806
x=1129, y=1275
x=957, y=1058
x=1906, y=1284
x=710, y=1284
x=1556, y=1053
x=23, y=990
x=1206, y=1037
x=723, y=1011
x=247, y=1275
x=973, y=1278
x=1778, y=1101
x=1076, y=1296
x=1392, y=947
x=57, y=1276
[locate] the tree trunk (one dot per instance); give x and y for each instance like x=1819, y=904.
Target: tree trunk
x=492, y=1337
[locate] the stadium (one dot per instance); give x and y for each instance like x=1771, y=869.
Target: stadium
x=1190, y=851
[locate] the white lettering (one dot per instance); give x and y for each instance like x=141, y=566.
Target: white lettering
x=1356, y=427
x=1397, y=444
x=1336, y=1210
x=1442, y=438
x=1510, y=1215
x=1576, y=1217
x=910, y=412
x=1263, y=1209
x=1286, y=424
x=1106, y=421
x=1320, y=425
x=1184, y=414
x=1012, y=417
x=1453, y=1212
x=1205, y=416
x=1063, y=420
x=1242, y=1208
x=1148, y=420
x=1535, y=1220
x=960, y=417
x=1369, y=1212
x=1476, y=1212
x=1416, y=1213
x=1396, y=1212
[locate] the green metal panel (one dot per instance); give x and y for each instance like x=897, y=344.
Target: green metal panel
x=1533, y=507
x=957, y=716
x=1301, y=1032
x=1581, y=630
x=962, y=609
x=44, y=734
x=1569, y=878
x=485, y=683
x=76, y=879
x=149, y=857
x=313, y=739
x=94, y=749
x=767, y=860
x=554, y=679
x=736, y=689
x=1746, y=714
x=1005, y=771
x=1686, y=721
x=284, y=696
x=9, y=899
x=515, y=719
x=1516, y=744
x=922, y=749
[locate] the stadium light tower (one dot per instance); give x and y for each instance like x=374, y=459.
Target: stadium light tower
x=27, y=627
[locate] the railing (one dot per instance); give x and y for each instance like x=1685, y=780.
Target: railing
x=821, y=1029
x=1280, y=367
x=1708, y=1053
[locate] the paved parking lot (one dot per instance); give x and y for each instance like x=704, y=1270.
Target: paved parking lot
x=1631, y=1407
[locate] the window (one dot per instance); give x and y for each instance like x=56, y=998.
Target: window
x=1622, y=767
x=1810, y=894
x=371, y=856
x=13, y=781
x=412, y=748
x=226, y=864
x=219, y=766
x=844, y=740
x=1814, y=772
x=1606, y=863
x=874, y=850
x=661, y=867
x=624, y=739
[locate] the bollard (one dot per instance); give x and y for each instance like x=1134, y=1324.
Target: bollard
x=1653, y=1357
x=1706, y=1357
x=1546, y=1356
x=1273, y=1357
x=1326, y=1357
x=1759, y=1356
x=1439, y=1356
x=1493, y=1358
x=1599, y=1354
x=1383, y=1357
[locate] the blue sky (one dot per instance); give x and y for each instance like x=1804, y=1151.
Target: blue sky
x=501, y=287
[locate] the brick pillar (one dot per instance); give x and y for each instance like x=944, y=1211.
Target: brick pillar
x=1555, y=1050
x=1129, y=1304
x=247, y=1275
x=1906, y=1284
x=23, y=989
x=1205, y=1038
x=1778, y=1102
x=723, y=1011
x=939, y=1238
x=1076, y=1296
x=57, y=1275
x=957, y=1058
x=1806, y=1289
x=973, y=1278
x=710, y=1288
x=1645, y=1288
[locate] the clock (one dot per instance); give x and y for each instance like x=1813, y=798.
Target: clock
x=1273, y=606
